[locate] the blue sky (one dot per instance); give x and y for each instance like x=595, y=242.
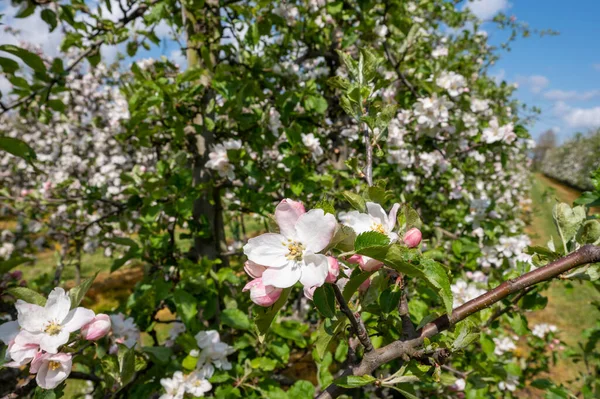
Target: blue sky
x=560, y=74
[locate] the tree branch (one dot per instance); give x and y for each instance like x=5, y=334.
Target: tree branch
x=357, y=325
x=372, y=360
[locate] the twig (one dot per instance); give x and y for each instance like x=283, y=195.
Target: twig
x=408, y=328
x=512, y=306
x=356, y=322
x=372, y=360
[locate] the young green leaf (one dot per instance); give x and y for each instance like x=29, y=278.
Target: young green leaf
x=78, y=292
x=27, y=295
x=324, y=300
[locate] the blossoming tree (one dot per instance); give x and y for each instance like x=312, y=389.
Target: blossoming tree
x=394, y=167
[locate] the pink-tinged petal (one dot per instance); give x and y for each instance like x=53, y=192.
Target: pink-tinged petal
x=287, y=214
x=263, y=295
x=31, y=317
x=58, y=305
x=365, y=263
x=365, y=286
x=333, y=269
x=22, y=354
x=412, y=238
x=283, y=277
x=315, y=229
x=377, y=212
x=314, y=270
x=393, y=216
x=77, y=318
x=38, y=361
x=393, y=237
x=49, y=378
x=25, y=338
x=253, y=270
x=359, y=222
x=309, y=292
x=8, y=331
x=268, y=249
x=356, y=259
x=50, y=343
x=251, y=284
x=97, y=328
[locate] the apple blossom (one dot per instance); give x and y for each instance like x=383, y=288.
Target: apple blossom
x=260, y=294
x=174, y=387
x=375, y=220
x=292, y=255
x=412, y=238
x=51, y=369
x=124, y=331
x=97, y=328
x=50, y=326
x=213, y=350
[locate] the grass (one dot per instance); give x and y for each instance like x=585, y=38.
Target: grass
x=569, y=305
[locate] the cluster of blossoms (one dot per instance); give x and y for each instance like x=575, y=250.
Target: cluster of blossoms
x=463, y=292
x=219, y=160
x=280, y=260
x=212, y=354
x=38, y=334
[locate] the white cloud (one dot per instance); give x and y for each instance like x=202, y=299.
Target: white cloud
x=562, y=95
x=587, y=118
x=535, y=83
x=487, y=9
x=179, y=58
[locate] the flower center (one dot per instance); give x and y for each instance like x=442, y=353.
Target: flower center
x=53, y=328
x=52, y=365
x=295, y=250
x=378, y=227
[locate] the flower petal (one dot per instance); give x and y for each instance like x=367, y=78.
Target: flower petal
x=50, y=343
x=77, y=318
x=268, y=249
x=359, y=222
x=8, y=331
x=376, y=211
x=58, y=305
x=315, y=229
x=283, y=277
x=393, y=216
x=31, y=317
x=287, y=214
x=314, y=270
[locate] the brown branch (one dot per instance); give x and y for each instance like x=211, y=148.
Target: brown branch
x=357, y=325
x=372, y=360
x=511, y=307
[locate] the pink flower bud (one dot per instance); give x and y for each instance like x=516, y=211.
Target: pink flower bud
x=365, y=263
x=97, y=328
x=551, y=346
x=262, y=295
x=334, y=269
x=412, y=238
x=561, y=348
x=555, y=341
x=309, y=292
x=254, y=270
x=365, y=286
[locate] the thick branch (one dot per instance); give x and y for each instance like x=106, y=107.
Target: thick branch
x=357, y=325
x=372, y=360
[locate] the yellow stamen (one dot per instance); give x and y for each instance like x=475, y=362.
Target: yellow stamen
x=52, y=365
x=378, y=227
x=53, y=328
x=295, y=250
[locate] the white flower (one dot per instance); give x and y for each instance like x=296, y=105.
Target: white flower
x=51, y=369
x=293, y=254
x=124, y=330
x=478, y=105
x=464, y=292
x=432, y=111
x=174, y=332
x=460, y=384
x=196, y=383
x=219, y=160
x=174, y=387
x=375, y=220
x=510, y=384
x=213, y=350
x=495, y=132
x=50, y=326
x=313, y=144
x=452, y=82
x=503, y=345
x=439, y=51
x=381, y=30
x=540, y=330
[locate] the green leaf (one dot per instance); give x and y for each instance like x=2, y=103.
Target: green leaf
x=355, y=281
x=301, y=390
x=338, y=82
x=465, y=335
x=49, y=17
x=411, y=263
x=408, y=218
x=327, y=331
x=186, y=305
x=33, y=60
x=370, y=239
x=9, y=66
x=263, y=363
x=567, y=220
x=264, y=316
x=324, y=300
x=17, y=148
x=589, y=233
x=235, y=318
x=354, y=381
x=126, y=364
x=390, y=298
x=27, y=295
x=78, y=292
x=159, y=354
x=355, y=200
